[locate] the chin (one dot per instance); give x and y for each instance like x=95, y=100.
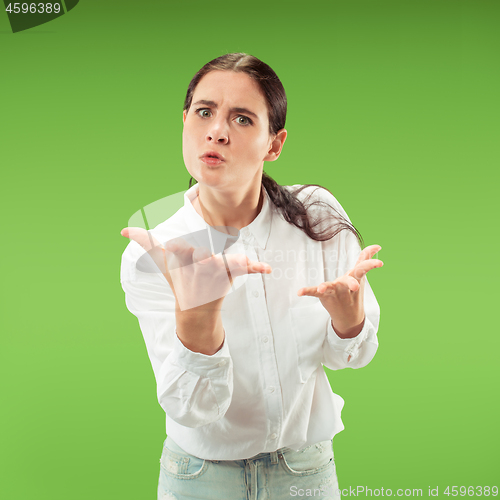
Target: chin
x=191, y=171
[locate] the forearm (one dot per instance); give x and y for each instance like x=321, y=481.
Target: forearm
x=348, y=316
x=354, y=348
x=195, y=389
x=200, y=330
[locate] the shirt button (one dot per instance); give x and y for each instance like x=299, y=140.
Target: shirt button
x=221, y=363
x=271, y=389
x=273, y=436
x=265, y=339
x=255, y=293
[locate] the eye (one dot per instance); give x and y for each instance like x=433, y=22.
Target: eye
x=246, y=121
x=205, y=112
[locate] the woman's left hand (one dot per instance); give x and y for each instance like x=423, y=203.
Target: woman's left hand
x=343, y=298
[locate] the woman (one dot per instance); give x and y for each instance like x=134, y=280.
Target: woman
x=247, y=291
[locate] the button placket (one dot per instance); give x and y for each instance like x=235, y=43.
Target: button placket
x=258, y=307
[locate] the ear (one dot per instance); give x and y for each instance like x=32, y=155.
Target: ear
x=276, y=145
x=184, y=113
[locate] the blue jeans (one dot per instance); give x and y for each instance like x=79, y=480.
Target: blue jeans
x=279, y=475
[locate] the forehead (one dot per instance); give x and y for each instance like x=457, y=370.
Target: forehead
x=232, y=89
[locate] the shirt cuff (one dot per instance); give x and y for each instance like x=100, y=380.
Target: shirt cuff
x=200, y=364
x=350, y=346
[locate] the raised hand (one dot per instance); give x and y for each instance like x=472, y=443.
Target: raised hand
x=343, y=298
x=198, y=278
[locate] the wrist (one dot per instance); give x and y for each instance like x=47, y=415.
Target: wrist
x=348, y=331
x=200, y=331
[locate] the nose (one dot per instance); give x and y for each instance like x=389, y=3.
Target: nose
x=217, y=133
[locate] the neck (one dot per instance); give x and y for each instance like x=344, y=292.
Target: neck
x=236, y=209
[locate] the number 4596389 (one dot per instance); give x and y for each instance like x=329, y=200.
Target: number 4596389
x=471, y=491
x=47, y=8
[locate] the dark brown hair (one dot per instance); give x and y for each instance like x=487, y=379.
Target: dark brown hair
x=292, y=209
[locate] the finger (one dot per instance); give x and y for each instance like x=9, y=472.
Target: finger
x=353, y=284
x=341, y=285
x=311, y=291
x=360, y=270
x=368, y=253
x=327, y=286
x=153, y=248
x=254, y=267
x=140, y=236
x=239, y=265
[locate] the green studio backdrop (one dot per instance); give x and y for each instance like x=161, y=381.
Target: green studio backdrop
x=393, y=105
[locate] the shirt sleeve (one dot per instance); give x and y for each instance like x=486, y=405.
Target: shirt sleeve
x=340, y=255
x=194, y=389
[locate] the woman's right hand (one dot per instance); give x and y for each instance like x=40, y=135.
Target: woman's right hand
x=198, y=279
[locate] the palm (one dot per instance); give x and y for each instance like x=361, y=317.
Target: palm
x=196, y=276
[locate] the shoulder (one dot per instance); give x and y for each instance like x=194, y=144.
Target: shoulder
x=319, y=196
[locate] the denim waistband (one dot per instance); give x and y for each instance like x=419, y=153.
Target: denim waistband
x=271, y=455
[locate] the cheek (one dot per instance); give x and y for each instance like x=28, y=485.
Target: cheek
x=255, y=147
x=260, y=149
x=187, y=148
x=187, y=141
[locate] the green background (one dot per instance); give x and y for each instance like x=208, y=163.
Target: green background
x=393, y=105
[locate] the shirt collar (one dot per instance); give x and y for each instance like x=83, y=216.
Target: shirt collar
x=259, y=228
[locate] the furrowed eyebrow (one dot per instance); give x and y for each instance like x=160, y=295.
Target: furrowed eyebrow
x=237, y=110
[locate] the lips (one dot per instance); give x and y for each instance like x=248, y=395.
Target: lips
x=212, y=154
x=212, y=158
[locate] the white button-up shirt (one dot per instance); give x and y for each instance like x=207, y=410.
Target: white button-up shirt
x=265, y=388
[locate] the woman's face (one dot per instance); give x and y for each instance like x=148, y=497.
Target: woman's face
x=228, y=116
